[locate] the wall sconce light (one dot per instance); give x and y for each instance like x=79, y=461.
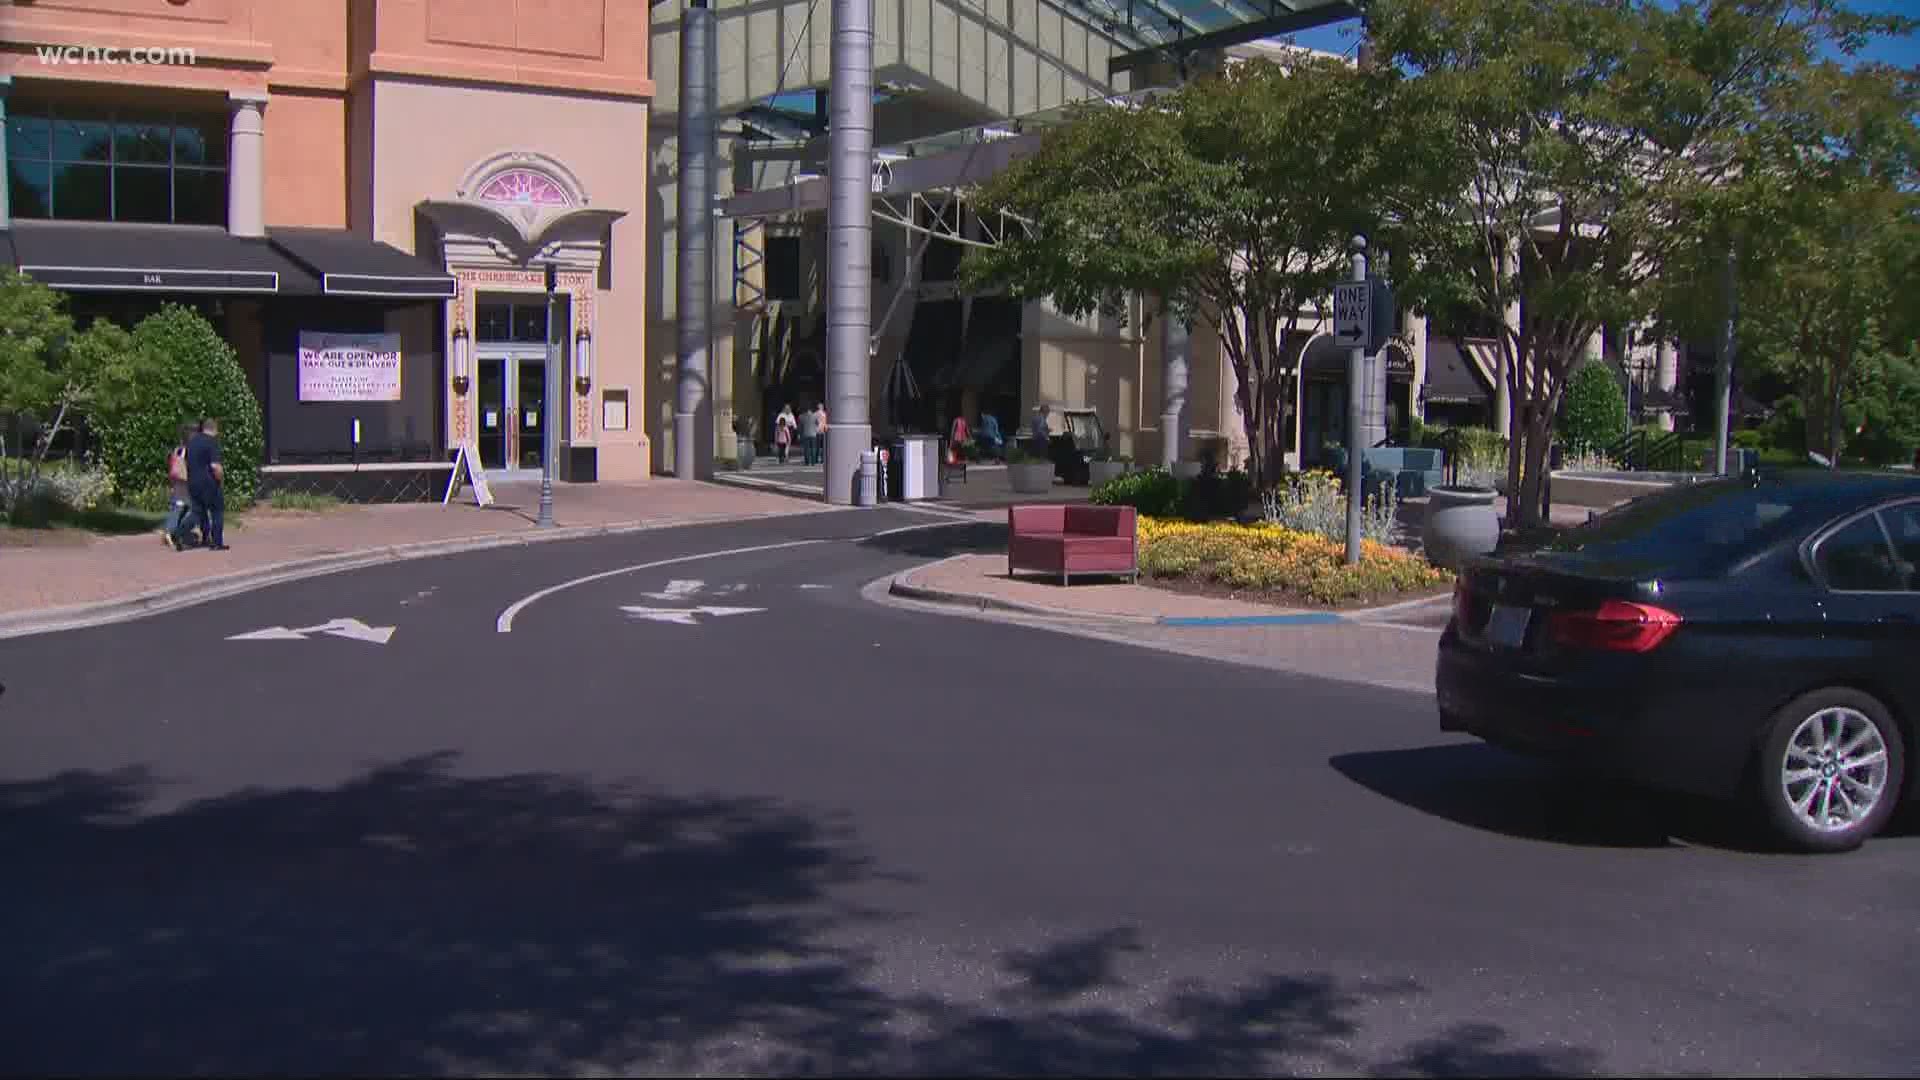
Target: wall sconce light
x=583, y=359
x=460, y=381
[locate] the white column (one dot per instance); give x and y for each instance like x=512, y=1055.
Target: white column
x=1667, y=365
x=247, y=165
x=6, y=211
x=1502, y=405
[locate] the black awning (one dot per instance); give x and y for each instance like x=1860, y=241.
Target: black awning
x=1452, y=378
x=121, y=257
x=350, y=265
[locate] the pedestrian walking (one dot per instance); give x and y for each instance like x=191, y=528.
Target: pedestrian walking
x=206, y=483
x=957, y=437
x=819, y=433
x=180, y=519
x=784, y=427
x=809, y=435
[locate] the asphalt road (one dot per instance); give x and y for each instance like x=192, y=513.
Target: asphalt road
x=826, y=835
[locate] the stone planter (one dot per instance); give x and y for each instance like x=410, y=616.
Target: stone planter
x=1099, y=472
x=1461, y=523
x=1186, y=470
x=743, y=452
x=1031, y=478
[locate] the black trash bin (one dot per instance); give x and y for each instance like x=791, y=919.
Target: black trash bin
x=896, y=478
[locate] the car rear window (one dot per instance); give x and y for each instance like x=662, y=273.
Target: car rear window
x=1694, y=530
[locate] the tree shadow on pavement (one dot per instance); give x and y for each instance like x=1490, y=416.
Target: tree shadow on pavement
x=986, y=538
x=415, y=922
x=1484, y=787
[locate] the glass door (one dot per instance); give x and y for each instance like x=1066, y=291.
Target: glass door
x=496, y=410
x=530, y=414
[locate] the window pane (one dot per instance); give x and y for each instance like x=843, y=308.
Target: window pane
x=83, y=192
x=142, y=194
x=29, y=138
x=143, y=142
x=1857, y=558
x=493, y=322
x=1693, y=529
x=82, y=135
x=530, y=323
x=200, y=196
x=1903, y=522
x=29, y=188
x=200, y=140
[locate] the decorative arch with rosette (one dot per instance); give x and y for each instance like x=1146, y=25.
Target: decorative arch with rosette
x=512, y=212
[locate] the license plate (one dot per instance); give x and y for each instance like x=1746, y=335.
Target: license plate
x=1507, y=626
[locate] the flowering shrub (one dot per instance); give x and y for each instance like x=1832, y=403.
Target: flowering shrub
x=1272, y=558
x=1313, y=502
x=71, y=487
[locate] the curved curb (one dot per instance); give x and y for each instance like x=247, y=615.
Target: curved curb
x=187, y=594
x=903, y=587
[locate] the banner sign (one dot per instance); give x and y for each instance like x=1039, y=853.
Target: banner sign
x=349, y=367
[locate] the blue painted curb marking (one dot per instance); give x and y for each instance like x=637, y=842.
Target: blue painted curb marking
x=1311, y=618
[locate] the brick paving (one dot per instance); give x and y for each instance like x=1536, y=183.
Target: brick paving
x=64, y=568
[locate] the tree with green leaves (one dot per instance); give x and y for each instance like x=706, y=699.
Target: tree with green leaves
x=50, y=375
x=1233, y=198
x=1583, y=137
x=198, y=376
x=1836, y=244
x=1595, y=413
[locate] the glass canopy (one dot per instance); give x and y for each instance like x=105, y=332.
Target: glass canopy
x=1162, y=29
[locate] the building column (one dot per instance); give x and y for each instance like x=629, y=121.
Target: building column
x=1176, y=353
x=693, y=296
x=849, y=247
x=247, y=165
x=6, y=210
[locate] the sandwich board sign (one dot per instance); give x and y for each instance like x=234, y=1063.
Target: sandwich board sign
x=467, y=460
x=1352, y=314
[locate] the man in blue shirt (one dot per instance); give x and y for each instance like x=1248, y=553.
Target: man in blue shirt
x=206, y=479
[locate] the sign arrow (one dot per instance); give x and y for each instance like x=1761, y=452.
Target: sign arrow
x=353, y=629
x=685, y=616
x=678, y=589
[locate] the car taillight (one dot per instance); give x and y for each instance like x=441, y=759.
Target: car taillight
x=1618, y=626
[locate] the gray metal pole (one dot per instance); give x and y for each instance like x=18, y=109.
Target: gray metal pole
x=1356, y=392
x=549, y=442
x=849, y=246
x=1723, y=367
x=6, y=216
x=694, y=290
x=1176, y=349
x=1373, y=429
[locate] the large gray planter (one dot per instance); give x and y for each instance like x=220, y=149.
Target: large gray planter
x=1099, y=472
x=1461, y=523
x=1032, y=478
x=743, y=452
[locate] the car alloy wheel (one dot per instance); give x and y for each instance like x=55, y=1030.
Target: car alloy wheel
x=1832, y=770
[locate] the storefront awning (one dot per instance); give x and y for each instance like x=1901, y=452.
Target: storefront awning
x=349, y=265
x=1452, y=378
x=119, y=257
x=1326, y=358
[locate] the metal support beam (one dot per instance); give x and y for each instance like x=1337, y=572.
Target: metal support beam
x=1303, y=15
x=692, y=454
x=849, y=247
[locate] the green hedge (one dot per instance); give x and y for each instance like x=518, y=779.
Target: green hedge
x=1158, y=493
x=1594, y=415
x=200, y=377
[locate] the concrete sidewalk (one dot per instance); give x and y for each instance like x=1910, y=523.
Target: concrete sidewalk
x=62, y=569
x=985, y=488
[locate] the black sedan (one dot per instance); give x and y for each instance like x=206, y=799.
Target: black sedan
x=1755, y=638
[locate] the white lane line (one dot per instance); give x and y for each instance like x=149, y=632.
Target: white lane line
x=504, y=624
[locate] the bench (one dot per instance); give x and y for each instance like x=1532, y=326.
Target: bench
x=1069, y=540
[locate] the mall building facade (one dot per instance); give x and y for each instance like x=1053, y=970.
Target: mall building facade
x=348, y=174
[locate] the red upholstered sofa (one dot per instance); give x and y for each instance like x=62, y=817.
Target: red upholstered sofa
x=1069, y=540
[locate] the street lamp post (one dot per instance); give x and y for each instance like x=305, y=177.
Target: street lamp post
x=1356, y=417
x=549, y=446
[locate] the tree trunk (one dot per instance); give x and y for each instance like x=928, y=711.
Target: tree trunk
x=1537, y=437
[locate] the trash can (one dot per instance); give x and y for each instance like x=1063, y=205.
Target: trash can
x=866, y=481
x=919, y=467
x=893, y=465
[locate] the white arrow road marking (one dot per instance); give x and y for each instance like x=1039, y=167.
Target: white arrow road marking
x=346, y=628
x=816, y=586
x=677, y=590
x=685, y=616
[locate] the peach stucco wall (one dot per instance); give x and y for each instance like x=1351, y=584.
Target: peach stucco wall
x=597, y=46
x=600, y=140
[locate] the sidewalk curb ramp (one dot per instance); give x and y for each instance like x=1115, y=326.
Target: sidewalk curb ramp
x=30, y=621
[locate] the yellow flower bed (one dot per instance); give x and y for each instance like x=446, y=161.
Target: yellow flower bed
x=1269, y=558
